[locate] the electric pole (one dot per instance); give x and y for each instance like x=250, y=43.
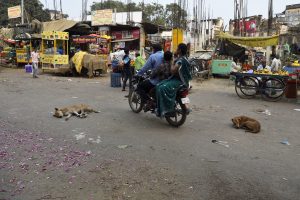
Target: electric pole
x=61, y=11
x=270, y=19
x=22, y=12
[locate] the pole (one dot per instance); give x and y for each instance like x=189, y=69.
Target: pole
x=22, y=5
x=270, y=20
x=270, y=13
x=61, y=11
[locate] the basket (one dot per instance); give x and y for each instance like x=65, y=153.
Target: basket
x=115, y=80
x=28, y=69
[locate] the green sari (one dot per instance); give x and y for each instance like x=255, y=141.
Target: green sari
x=167, y=89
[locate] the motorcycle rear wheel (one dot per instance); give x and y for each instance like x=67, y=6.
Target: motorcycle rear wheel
x=135, y=101
x=179, y=116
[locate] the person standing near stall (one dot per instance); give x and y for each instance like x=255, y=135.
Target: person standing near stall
x=139, y=61
x=235, y=67
x=35, y=56
x=276, y=64
x=126, y=69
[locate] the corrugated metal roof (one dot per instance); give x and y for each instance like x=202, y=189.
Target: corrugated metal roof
x=59, y=25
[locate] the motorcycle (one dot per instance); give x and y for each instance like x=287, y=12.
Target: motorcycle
x=175, y=118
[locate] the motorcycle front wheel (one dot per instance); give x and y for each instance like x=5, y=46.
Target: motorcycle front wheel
x=178, y=117
x=135, y=101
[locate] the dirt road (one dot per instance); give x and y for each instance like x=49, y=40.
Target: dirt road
x=116, y=154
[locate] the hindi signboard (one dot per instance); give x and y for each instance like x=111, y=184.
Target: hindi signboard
x=14, y=12
x=102, y=17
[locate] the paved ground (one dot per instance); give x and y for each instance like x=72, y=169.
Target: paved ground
x=117, y=154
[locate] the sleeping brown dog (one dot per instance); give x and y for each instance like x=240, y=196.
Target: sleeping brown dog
x=251, y=125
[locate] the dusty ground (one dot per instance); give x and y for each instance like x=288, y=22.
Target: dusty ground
x=117, y=154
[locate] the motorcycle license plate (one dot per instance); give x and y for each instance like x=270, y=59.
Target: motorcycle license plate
x=185, y=100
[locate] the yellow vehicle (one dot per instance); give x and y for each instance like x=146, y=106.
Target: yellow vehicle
x=55, y=51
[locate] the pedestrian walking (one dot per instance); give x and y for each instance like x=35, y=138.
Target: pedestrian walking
x=35, y=56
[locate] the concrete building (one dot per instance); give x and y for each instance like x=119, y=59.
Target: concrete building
x=57, y=15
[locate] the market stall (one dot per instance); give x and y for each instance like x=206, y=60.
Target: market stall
x=93, y=43
x=230, y=47
x=126, y=39
x=55, y=51
x=8, y=52
x=25, y=44
x=94, y=57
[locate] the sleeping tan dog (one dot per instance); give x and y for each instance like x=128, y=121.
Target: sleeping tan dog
x=79, y=110
x=251, y=125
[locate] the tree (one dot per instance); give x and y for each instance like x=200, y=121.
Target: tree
x=172, y=15
x=153, y=13
x=119, y=6
x=175, y=16
x=33, y=10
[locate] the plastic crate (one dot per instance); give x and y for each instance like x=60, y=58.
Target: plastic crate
x=28, y=69
x=115, y=80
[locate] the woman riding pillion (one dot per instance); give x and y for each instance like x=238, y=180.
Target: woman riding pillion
x=166, y=90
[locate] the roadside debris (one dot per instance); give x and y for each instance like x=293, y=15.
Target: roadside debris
x=285, y=142
x=223, y=143
x=213, y=161
x=266, y=112
x=97, y=141
x=93, y=82
x=39, y=155
x=297, y=110
x=123, y=146
x=80, y=136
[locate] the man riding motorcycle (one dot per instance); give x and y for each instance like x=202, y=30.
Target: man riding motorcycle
x=153, y=62
x=171, y=99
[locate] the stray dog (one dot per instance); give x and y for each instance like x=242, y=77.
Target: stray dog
x=251, y=125
x=79, y=110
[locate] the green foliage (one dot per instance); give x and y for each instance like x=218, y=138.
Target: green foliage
x=153, y=13
x=170, y=15
x=118, y=5
x=175, y=16
x=33, y=10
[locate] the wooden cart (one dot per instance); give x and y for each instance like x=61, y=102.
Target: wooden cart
x=270, y=87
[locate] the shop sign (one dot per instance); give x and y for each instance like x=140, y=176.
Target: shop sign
x=250, y=26
x=55, y=59
x=55, y=35
x=14, y=12
x=222, y=65
x=102, y=17
x=22, y=58
x=85, y=40
x=121, y=35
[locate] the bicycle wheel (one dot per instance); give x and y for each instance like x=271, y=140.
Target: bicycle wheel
x=249, y=86
x=273, y=89
x=135, y=101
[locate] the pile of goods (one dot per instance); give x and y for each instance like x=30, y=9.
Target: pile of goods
x=296, y=64
x=267, y=71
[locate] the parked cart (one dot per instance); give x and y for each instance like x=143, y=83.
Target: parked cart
x=270, y=87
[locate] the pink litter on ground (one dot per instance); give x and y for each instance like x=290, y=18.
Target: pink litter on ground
x=33, y=153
